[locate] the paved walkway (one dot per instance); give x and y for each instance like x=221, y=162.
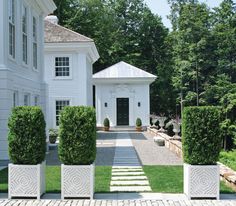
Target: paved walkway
x=116, y=203
x=127, y=172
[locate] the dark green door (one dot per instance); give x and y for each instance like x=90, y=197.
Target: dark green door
x=122, y=108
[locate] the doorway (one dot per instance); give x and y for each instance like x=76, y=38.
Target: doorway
x=122, y=108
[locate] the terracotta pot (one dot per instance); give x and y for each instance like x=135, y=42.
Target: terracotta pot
x=139, y=129
x=106, y=129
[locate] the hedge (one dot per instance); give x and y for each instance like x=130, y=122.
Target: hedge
x=27, y=136
x=77, y=134
x=201, y=135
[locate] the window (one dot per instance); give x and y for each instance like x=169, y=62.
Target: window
x=26, y=100
x=59, y=106
x=62, y=66
x=36, y=100
x=11, y=16
x=35, y=44
x=15, y=98
x=24, y=35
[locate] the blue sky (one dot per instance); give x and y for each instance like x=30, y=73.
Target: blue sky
x=161, y=8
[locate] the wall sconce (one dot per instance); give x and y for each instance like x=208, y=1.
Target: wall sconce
x=105, y=104
x=139, y=104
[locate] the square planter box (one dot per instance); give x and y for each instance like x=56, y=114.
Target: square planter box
x=202, y=181
x=26, y=180
x=77, y=181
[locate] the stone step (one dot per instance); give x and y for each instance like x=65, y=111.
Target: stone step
x=127, y=170
x=130, y=189
x=127, y=167
x=128, y=178
x=130, y=183
x=127, y=173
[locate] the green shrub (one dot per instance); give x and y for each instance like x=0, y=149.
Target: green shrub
x=53, y=134
x=106, y=122
x=27, y=137
x=77, y=134
x=138, y=122
x=201, y=135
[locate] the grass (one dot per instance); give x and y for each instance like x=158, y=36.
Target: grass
x=166, y=179
x=53, y=179
x=229, y=159
x=169, y=179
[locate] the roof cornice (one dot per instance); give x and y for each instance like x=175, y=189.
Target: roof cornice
x=88, y=47
x=139, y=80
x=48, y=6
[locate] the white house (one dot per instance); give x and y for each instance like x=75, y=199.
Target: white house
x=21, y=58
x=69, y=57
x=122, y=95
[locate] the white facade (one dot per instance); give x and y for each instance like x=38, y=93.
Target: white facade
x=21, y=58
x=74, y=86
x=127, y=86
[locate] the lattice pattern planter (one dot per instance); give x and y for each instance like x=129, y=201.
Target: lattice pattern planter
x=26, y=180
x=201, y=181
x=77, y=181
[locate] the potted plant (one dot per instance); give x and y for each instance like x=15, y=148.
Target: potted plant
x=176, y=123
x=153, y=120
x=77, y=151
x=161, y=119
x=27, y=147
x=201, y=147
x=106, y=124
x=53, y=134
x=138, y=125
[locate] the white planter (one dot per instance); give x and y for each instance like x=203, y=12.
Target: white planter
x=202, y=181
x=26, y=180
x=77, y=181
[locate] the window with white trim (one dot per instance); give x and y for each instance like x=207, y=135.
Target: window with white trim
x=24, y=35
x=62, y=66
x=60, y=104
x=26, y=99
x=15, y=99
x=35, y=44
x=36, y=100
x=11, y=16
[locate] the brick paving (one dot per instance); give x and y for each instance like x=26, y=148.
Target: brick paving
x=117, y=203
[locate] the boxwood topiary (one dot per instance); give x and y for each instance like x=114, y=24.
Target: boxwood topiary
x=106, y=122
x=77, y=135
x=201, y=135
x=27, y=137
x=138, y=122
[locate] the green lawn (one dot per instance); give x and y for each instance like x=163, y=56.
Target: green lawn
x=229, y=159
x=168, y=179
x=53, y=179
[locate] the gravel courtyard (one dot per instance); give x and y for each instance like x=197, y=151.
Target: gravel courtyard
x=148, y=151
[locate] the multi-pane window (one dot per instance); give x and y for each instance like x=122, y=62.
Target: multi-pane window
x=62, y=66
x=35, y=45
x=26, y=100
x=15, y=98
x=59, y=106
x=11, y=16
x=24, y=35
x=36, y=100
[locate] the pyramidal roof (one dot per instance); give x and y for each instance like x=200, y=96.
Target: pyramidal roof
x=123, y=70
x=54, y=33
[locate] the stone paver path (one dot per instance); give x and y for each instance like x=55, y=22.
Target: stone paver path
x=127, y=172
x=116, y=203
